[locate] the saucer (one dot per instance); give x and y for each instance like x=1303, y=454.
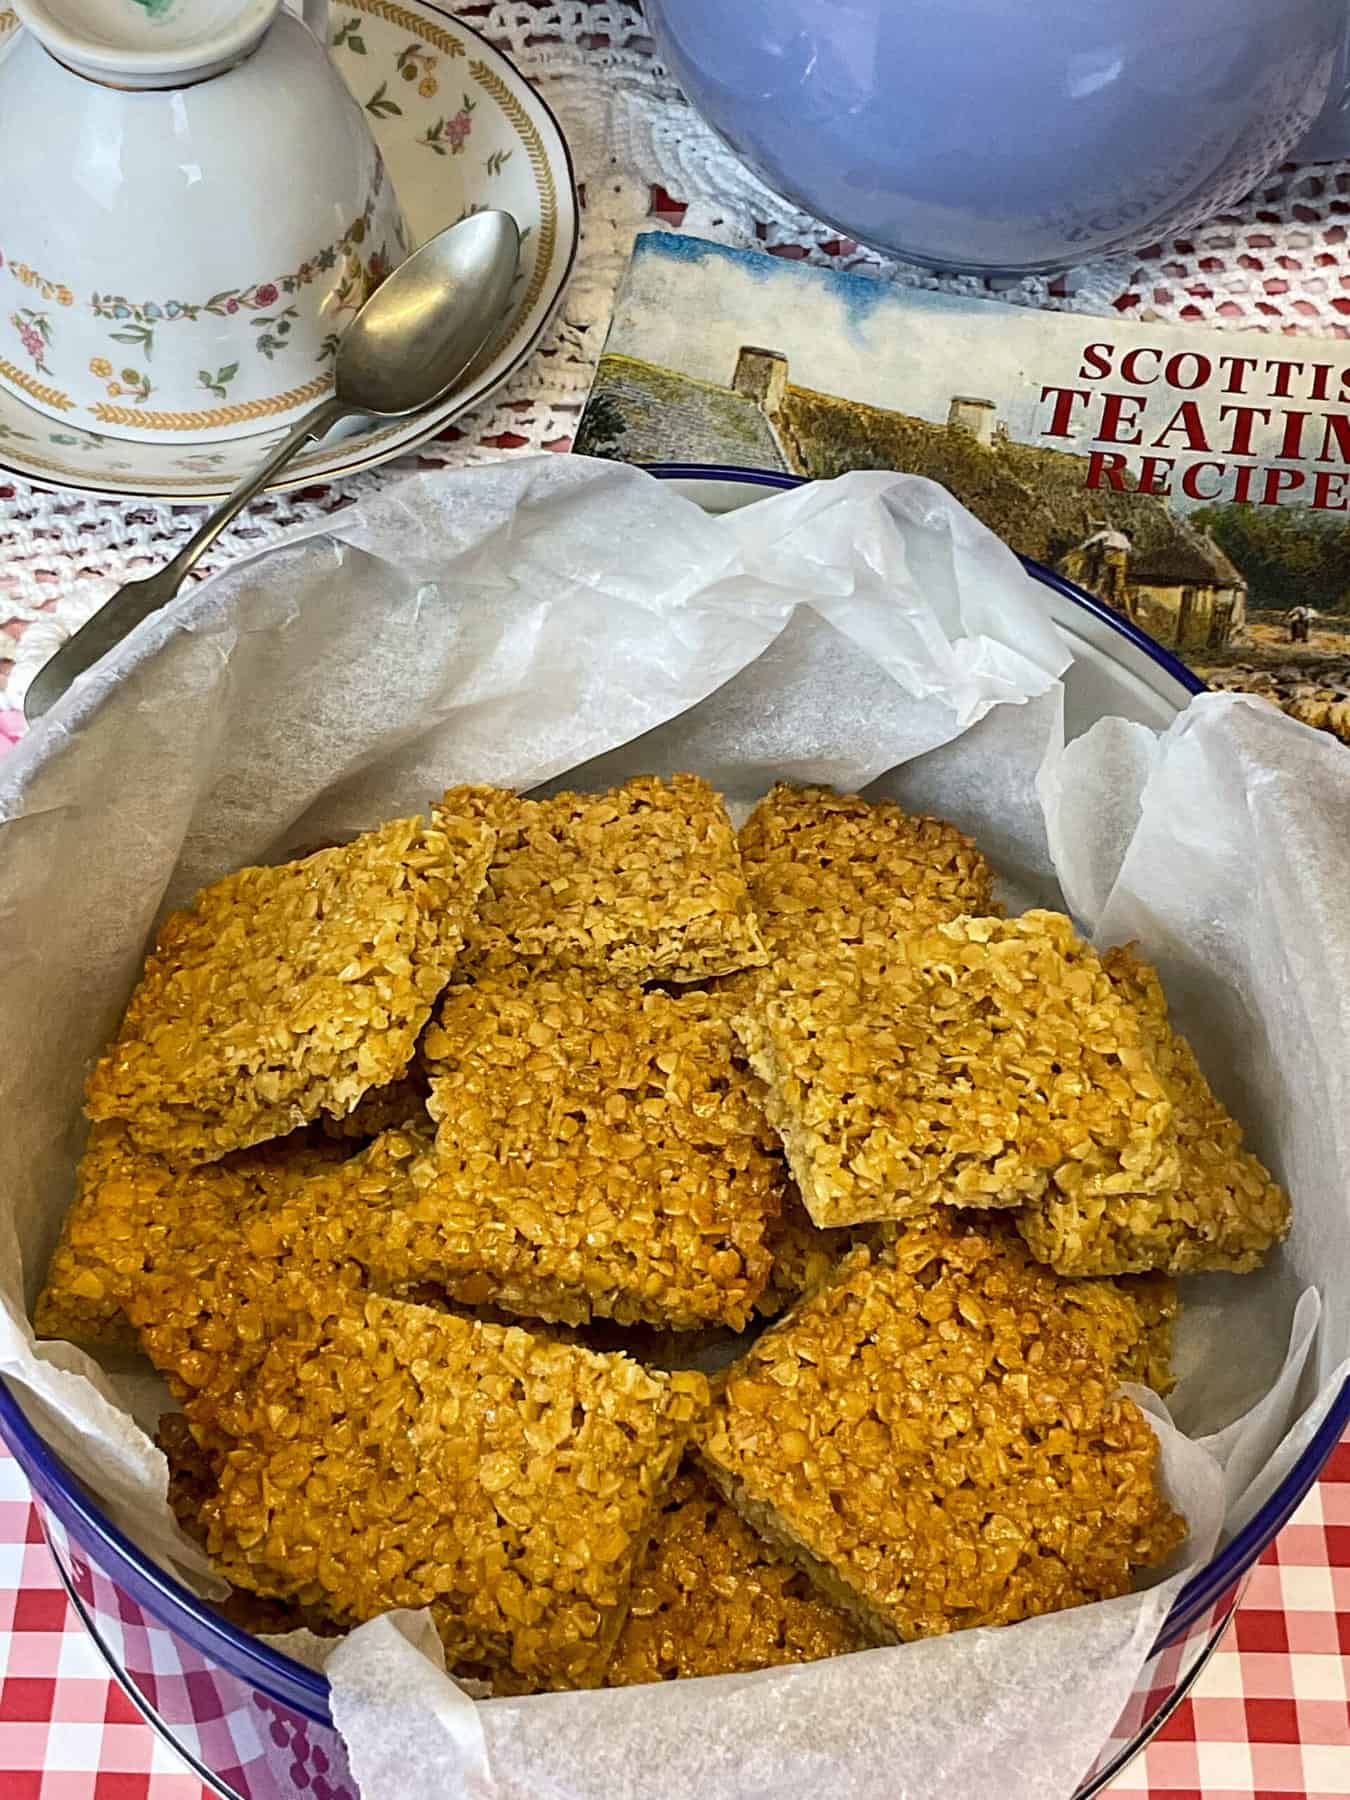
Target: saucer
x=459, y=130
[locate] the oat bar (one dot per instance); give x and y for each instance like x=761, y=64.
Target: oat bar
x=205, y=1324
x=962, y=1064
x=1226, y=1210
x=850, y=869
x=1128, y=1322
x=711, y=1598
x=597, y=1153
x=374, y=1454
x=934, y=1441
x=285, y=992
x=134, y=1215
x=643, y=883
x=193, y=1479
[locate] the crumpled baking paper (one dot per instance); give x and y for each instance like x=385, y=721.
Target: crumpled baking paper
x=556, y=620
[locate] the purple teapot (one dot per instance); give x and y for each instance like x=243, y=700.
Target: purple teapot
x=1004, y=138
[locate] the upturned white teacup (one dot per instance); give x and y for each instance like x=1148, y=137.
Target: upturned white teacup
x=191, y=208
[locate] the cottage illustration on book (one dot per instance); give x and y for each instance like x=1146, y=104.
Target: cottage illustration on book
x=1153, y=466
x=1131, y=549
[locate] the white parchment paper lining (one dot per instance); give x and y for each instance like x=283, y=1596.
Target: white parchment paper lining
x=529, y=621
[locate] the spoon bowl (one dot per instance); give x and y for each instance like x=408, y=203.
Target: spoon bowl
x=414, y=338
x=423, y=327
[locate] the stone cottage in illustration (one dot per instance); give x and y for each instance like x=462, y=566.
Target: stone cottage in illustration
x=1146, y=561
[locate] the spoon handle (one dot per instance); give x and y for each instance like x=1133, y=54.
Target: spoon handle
x=314, y=424
x=136, y=600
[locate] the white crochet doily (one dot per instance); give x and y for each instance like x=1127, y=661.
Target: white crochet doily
x=1279, y=262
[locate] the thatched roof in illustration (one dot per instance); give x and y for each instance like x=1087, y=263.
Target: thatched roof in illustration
x=1033, y=496
x=829, y=436
x=1205, y=558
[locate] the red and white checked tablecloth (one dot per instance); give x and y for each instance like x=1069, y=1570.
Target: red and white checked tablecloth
x=1269, y=1717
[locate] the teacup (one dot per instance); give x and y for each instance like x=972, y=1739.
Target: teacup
x=191, y=207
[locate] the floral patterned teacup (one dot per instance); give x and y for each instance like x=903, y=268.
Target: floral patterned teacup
x=191, y=209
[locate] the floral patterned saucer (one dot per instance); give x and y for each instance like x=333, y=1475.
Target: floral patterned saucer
x=459, y=129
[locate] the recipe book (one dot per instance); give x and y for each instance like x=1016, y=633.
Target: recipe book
x=1197, y=481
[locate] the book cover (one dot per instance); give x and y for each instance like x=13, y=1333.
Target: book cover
x=1197, y=481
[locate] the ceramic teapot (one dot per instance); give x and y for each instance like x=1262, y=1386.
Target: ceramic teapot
x=1003, y=138
x=191, y=206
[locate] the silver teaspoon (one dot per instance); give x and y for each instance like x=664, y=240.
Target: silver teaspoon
x=406, y=348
